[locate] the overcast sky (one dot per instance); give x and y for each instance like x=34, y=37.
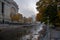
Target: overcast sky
x=27, y=7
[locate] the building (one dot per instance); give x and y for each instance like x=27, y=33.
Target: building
x=25, y=19
x=28, y=20
x=7, y=7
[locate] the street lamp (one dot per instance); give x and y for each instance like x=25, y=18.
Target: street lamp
x=48, y=29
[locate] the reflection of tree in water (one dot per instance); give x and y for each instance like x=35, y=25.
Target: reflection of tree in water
x=13, y=34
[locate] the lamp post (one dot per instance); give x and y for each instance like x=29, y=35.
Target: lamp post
x=48, y=29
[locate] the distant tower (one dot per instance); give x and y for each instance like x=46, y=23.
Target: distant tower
x=33, y=18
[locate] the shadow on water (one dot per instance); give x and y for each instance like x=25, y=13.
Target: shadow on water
x=13, y=34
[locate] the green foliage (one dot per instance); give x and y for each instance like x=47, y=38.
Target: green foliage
x=51, y=12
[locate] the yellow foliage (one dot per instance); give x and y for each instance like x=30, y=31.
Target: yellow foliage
x=42, y=9
x=15, y=17
x=47, y=1
x=59, y=14
x=39, y=17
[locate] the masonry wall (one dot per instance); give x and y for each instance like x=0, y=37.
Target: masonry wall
x=7, y=9
x=0, y=11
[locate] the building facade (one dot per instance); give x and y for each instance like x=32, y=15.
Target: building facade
x=28, y=20
x=7, y=7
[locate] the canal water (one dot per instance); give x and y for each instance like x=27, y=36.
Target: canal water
x=34, y=33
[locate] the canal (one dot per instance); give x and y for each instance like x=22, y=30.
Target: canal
x=34, y=33
x=20, y=33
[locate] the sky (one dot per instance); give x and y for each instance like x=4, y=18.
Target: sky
x=27, y=7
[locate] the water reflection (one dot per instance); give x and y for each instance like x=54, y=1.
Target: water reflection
x=34, y=33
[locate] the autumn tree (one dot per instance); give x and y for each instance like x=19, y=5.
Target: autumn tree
x=49, y=10
x=38, y=17
x=15, y=17
x=41, y=6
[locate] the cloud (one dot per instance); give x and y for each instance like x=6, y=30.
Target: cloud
x=27, y=7
x=27, y=13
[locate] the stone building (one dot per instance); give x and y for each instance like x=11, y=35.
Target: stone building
x=7, y=7
x=28, y=20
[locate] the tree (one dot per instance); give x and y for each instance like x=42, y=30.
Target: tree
x=58, y=12
x=38, y=17
x=15, y=17
x=41, y=6
x=49, y=10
